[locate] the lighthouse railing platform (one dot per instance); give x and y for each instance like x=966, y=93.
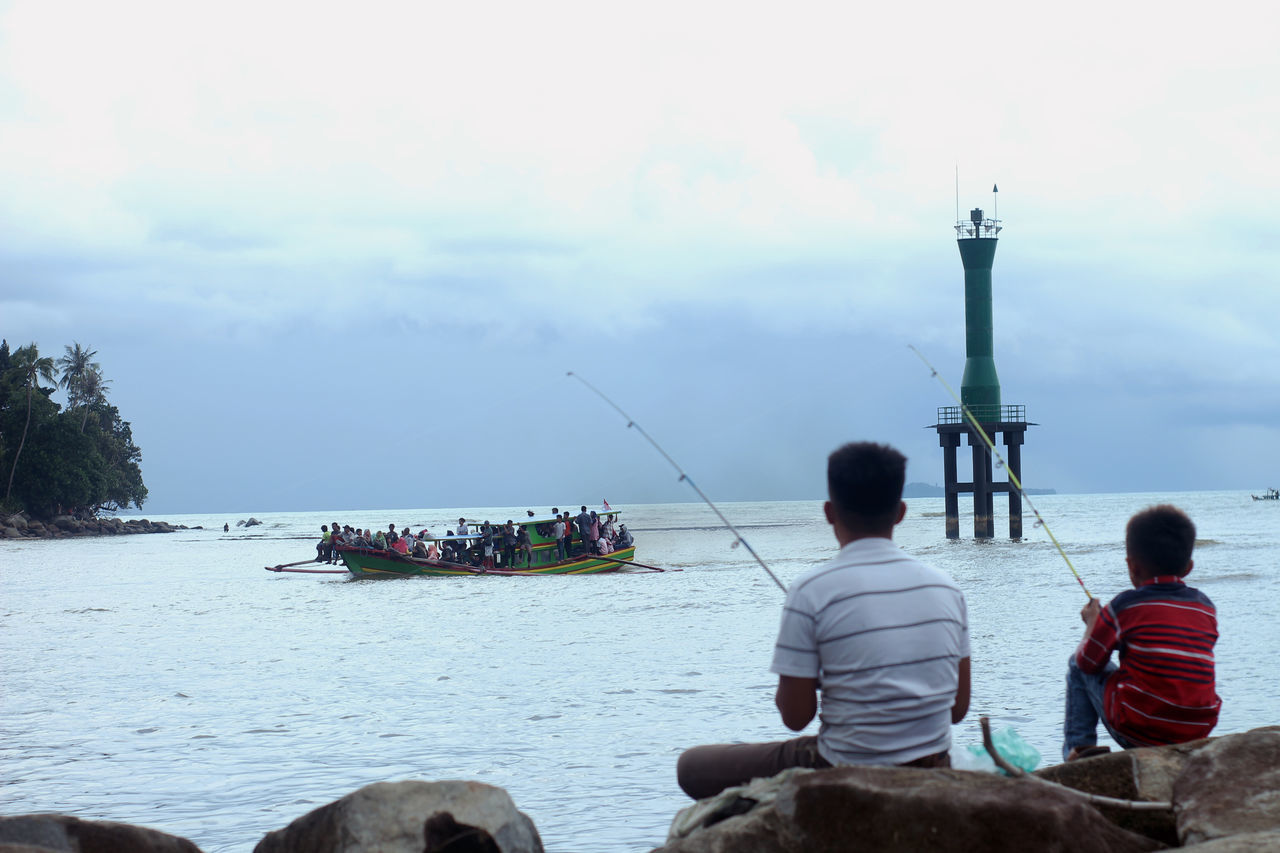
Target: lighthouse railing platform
x=984, y=414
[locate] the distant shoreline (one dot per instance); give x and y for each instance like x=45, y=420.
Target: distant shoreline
x=925, y=490
x=21, y=527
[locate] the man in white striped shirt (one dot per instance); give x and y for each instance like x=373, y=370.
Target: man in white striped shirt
x=883, y=638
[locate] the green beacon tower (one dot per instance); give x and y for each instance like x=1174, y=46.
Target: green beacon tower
x=980, y=387
x=980, y=394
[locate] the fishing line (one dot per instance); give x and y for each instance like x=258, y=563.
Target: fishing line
x=631, y=423
x=991, y=446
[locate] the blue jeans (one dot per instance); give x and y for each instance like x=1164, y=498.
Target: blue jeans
x=1084, y=708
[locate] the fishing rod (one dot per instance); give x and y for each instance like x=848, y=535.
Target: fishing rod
x=631, y=423
x=1013, y=478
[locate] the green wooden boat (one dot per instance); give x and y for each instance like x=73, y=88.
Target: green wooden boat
x=544, y=560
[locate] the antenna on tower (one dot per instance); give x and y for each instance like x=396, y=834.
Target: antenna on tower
x=957, y=191
x=995, y=209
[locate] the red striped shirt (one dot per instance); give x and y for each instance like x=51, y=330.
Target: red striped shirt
x=1163, y=691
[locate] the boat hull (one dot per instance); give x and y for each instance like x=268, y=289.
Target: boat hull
x=366, y=563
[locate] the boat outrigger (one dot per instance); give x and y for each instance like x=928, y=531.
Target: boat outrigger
x=1271, y=495
x=543, y=556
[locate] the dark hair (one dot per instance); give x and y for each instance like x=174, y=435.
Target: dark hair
x=1160, y=540
x=864, y=480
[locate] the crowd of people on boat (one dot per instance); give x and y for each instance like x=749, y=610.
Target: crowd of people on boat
x=487, y=545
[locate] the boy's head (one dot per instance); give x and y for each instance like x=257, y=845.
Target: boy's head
x=1158, y=541
x=864, y=481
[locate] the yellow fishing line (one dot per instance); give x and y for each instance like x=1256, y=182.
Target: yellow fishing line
x=991, y=445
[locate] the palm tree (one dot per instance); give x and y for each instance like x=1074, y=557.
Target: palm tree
x=32, y=368
x=76, y=365
x=93, y=390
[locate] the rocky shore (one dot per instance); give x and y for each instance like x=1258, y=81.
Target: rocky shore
x=1217, y=795
x=21, y=526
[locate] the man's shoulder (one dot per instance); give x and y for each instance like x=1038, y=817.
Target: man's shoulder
x=848, y=568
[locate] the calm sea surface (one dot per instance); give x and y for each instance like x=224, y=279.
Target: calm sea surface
x=169, y=681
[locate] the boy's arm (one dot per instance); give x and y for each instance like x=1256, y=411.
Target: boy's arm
x=1100, y=637
x=1089, y=614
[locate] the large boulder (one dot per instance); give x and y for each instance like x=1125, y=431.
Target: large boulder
x=66, y=834
x=889, y=809
x=411, y=817
x=1230, y=786
x=1250, y=842
x=1132, y=774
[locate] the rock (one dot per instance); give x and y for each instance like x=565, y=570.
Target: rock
x=66, y=834
x=65, y=522
x=1250, y=842
x=906, y=809
x=10, y=533
x=251, y=522
x=413, y=817
x=1133, y=774
x=1230, y=786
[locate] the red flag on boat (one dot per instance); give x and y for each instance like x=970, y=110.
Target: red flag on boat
x=606, y=504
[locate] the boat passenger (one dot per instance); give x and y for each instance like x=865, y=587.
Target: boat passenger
x=419, y=546
x=336, y=538
x=322, y=547
x=486, y=541
x=509, y=540
x=525, y=545
x=583, y=522
x=380, y=541
x=602, y=545
x=557, y=530
x=625, y=539
x=400, y=545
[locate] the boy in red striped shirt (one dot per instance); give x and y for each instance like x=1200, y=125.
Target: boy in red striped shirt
x=1163, y=690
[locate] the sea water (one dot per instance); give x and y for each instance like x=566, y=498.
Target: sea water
x=167, y=680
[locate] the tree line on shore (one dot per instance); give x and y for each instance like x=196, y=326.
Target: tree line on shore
x=76, y=460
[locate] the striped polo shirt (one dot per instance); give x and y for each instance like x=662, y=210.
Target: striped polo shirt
x=885, y=634
x=1163, y=691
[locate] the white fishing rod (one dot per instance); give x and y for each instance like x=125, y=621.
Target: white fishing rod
x=631, y=424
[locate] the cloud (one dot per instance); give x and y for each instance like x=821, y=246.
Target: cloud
x=388, y=233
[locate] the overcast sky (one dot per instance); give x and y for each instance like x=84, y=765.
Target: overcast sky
x=340, y=256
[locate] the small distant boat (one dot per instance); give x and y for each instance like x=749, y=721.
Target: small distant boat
x=543, y=560
x=1270, y=495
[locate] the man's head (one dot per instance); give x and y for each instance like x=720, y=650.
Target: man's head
x=864, y=482
x=1158, y=541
